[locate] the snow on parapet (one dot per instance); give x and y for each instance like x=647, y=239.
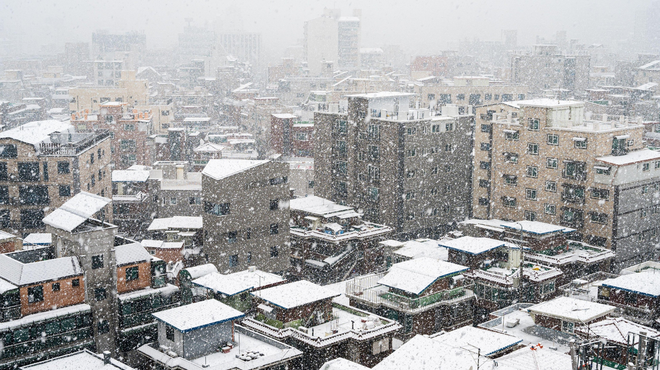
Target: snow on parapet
x=645, y=283
x=197, y=315
x=571, y=309
x=469, y=337
x=21, y=274
x=631, y=158
x=36, y=132
x=219, y=169
x=76, y=211
x=415, y=276
x=472, y=245
x=296, y=294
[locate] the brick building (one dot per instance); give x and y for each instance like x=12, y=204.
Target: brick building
x=290, y=137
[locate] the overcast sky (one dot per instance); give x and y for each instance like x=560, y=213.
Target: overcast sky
x=421, y=27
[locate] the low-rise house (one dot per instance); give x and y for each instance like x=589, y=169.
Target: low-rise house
x=189, y=292
x=303, y=314
x=187, y=229
x=535, y=357
x=9, y=242
x=566, y=314
x=234, y=289
x=496, y=269
x=36, y=240
x=330, y=242
x=488, y=343
x=84, y=359
x=170, y=252
x=636, y=294
x=424, y=295
x=205, y=335
x=418, y=248
x=621, y=339
x=178, y=191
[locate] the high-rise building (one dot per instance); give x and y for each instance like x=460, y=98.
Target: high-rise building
x=546, y=160
x=128, y=48
x=402, y=167
x=547, y=68
x=332, y=38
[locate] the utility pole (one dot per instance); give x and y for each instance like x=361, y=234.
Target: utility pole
x=520, y=269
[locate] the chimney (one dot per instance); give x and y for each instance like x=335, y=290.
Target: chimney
x=106, y=357
x=179, y=172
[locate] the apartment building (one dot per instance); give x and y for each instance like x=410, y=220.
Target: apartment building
x=548, y=68
x=130, y=129
x=290, y=136
x=403, y=167
x=330, y=242
x=127, y=89
x=44, y=164
x=547, y=160
x=468, y=92
x=246, y=214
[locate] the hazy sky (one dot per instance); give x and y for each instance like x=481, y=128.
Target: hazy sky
x=418, y=26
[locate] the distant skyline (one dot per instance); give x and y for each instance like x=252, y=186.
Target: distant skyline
x=419, y=27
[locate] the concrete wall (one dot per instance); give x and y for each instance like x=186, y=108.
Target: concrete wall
x=206, y=340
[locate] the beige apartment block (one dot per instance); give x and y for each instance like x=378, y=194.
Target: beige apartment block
x=128, y=90
x=550, y=161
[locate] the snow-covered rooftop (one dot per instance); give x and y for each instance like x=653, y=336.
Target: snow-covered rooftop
x=197, y=315
x=342, y=364
x=422, y=353
x=201, y=270
x=654, y=65
x=617, y=329
x=536, y=227
x=219, y=169
x=468, y=337
x=284, y=116
x=131, y=253
x=539, y=358
x=76, y=211
x=646, y=282
x=5, y=235
x=416, y=275
x=38, y=239
x=84, y=359
x=36, y=132
x=176, y=222
x=257, y=278
x=421, y=248
x=382, y=94
x=21, y=274
x=224, y=284
x=295, y=294
x=547, y=103
x=472, y=245
x=571, y=309
x=209, y=148
x=318, y=206
x=6, y=286
x=631, y=158
x=130, y=175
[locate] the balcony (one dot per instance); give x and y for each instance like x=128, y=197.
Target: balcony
x=71, y=144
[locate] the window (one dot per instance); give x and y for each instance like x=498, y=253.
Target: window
x=410, y=195
x=511, y=180
x=483, y=201
x=532, y=171
x=55, y=287
x=35, y=294
x=434, y=170
x=530, y=194
x=301, y=136
x=602, y=170
x=600, y=218
x=511, y=157
x=274, y=229
x=530, y=216
x=484, y=165
x=573, y=194
x=173, y=201
x=484, y=183
x=411, y=153
x=600, y=193
x=8, y=151
x=533, y=149
x=341, y=167
x=75, y=283
x=657, y=165
x=551, y=186
x=341, y=147
x=445, y=99
x=97, y=262
x=411, y=130
x=488, y=96
x=645, y=189
x=509, y=202
x=233, y=260
x=485, y=127
x=4, y=195
x=533, y=124
x=646, y=167
x=93, y=180
x=460, y=96
x=374, y=173
x=127, y=145
x=103, y=326
x=553, y=139
x=507, y=97
x=567, y=326
x=373, y=193
x=511, y=135
x=65, y=190
x=45, y=171
x=132, y=273
x=28, y=171
x=99, y=294
x=274, y=251
x=580, y=142
x=4, y=176
x=485, y=146
x=217, y=209
x=410, y=174
x=449, y=127
x=448, y=147
x=550, y=209
x=195, y=200
x=430, y=96
x=374, y=152
x=373, y=132
x=169, y=333
x=447, y=168
x=551, y=163
x=274, y=204
x=575, y=170
x=435, y=128
x=232, y=237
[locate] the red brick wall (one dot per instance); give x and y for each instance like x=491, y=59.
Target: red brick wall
x=143, y=280
x=66, y=296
